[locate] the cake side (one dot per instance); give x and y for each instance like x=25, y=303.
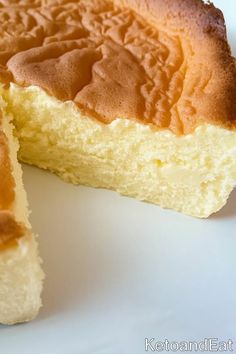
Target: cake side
x=147, y=61
x=20, y=271
x=20, y=280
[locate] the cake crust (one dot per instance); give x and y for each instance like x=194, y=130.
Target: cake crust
x=159, y=62
x=7, y=184
x=10, y=229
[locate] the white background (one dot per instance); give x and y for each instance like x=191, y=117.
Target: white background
x=119, y=270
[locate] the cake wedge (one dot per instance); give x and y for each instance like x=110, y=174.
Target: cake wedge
x=20, y=267
x=134, y=96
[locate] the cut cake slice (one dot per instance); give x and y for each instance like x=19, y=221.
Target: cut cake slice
x=20, y=271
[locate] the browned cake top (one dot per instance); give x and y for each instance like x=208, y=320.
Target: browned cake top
x=164, y=62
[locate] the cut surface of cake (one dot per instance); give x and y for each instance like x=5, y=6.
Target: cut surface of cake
x=134, y=96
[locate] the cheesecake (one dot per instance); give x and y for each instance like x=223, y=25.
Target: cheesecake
x=133, y=96
x=21, y=275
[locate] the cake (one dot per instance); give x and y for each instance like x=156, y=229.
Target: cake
x=20, y=271
x=134, y=96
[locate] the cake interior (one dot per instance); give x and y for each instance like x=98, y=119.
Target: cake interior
x=193, y=173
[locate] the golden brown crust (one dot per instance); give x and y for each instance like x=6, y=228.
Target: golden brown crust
x=10, y=229
x=161, y=62
x=210, y=80
x=7, y=184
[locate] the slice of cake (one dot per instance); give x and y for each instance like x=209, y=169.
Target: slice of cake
x=20, y=272
x=134, y=96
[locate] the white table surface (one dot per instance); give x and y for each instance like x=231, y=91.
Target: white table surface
x=119, y=271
